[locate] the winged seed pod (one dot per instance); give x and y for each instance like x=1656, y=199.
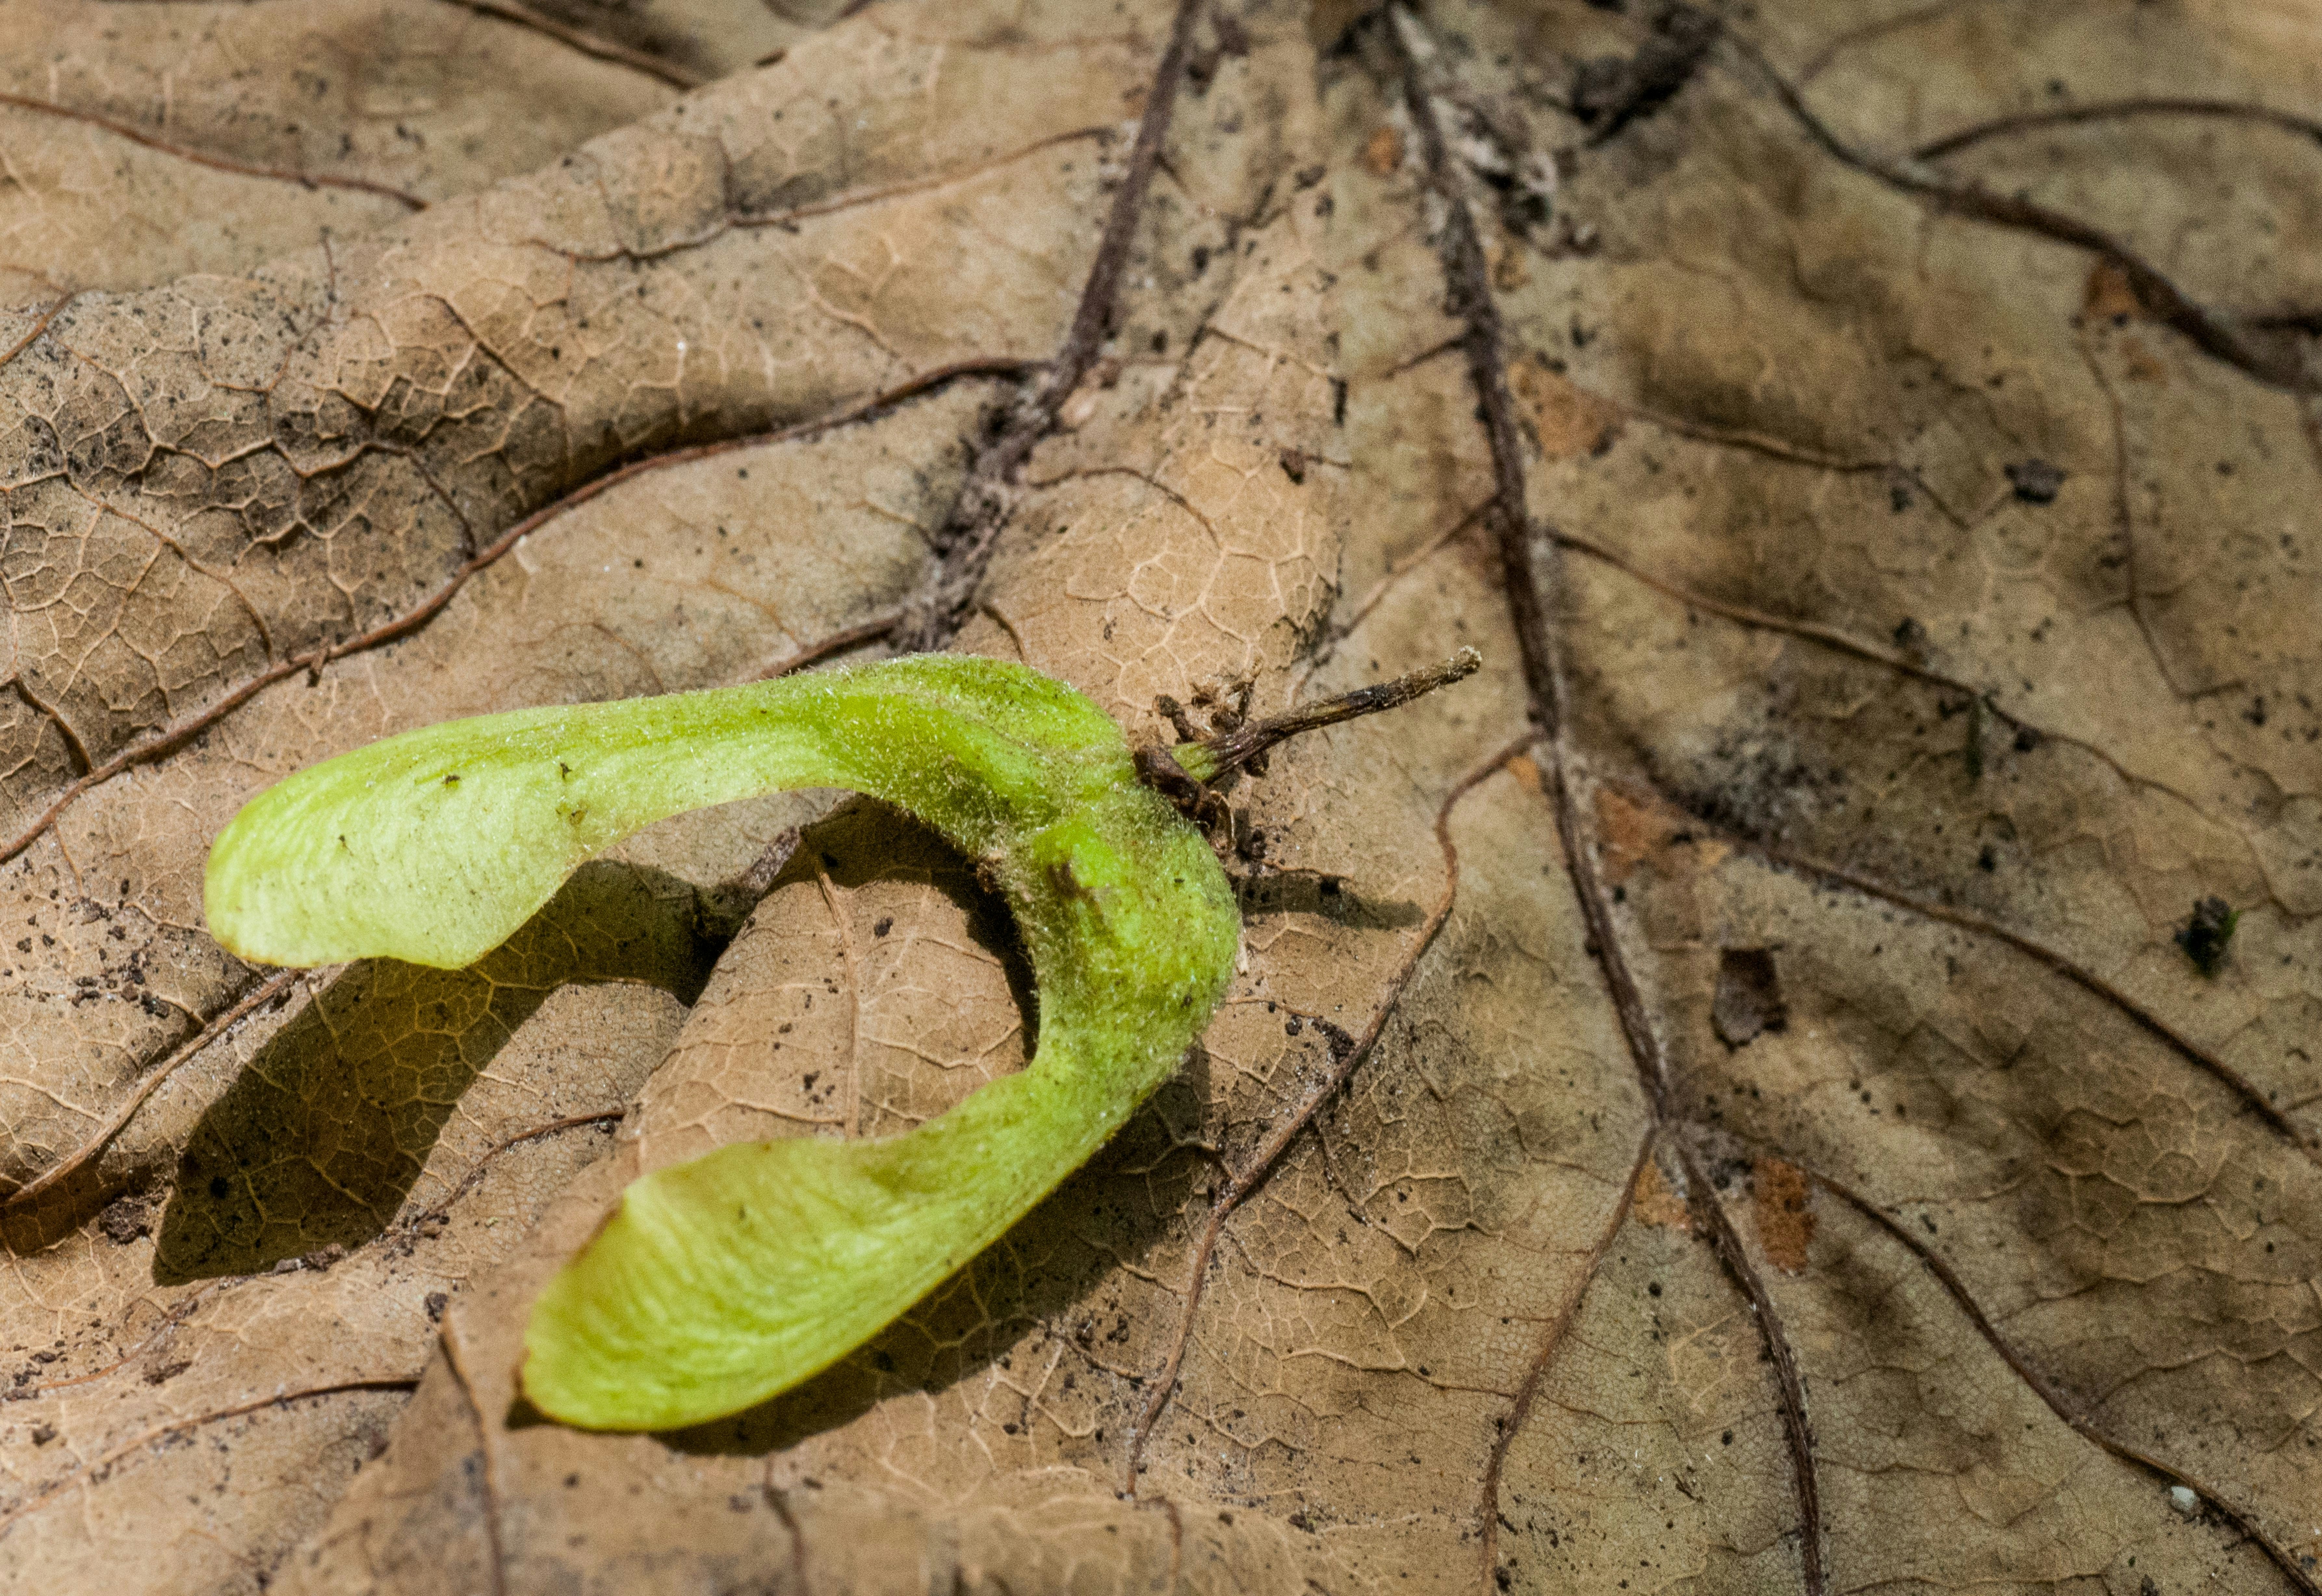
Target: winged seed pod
x=723, y=1282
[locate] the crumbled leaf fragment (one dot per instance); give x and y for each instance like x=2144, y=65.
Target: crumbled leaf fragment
x=2036, y=481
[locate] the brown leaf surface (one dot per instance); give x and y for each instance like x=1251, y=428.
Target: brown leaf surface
x=151, y=141
x=1725, y=1100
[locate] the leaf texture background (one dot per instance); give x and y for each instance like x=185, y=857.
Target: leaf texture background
x=1720, y=1102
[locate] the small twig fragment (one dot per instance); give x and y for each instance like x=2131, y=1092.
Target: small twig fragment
x=1209, y=757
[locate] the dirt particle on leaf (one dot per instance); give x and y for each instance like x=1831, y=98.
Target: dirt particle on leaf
x=1749, y=998
x=1785, y=1223
x=2036, y=481
x=2206, y=935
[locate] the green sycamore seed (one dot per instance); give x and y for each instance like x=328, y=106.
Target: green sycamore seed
x=720, y=1283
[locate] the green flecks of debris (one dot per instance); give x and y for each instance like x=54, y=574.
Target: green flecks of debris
x=2206, y=935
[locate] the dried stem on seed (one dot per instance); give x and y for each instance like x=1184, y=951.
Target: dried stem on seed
x=1207, y=759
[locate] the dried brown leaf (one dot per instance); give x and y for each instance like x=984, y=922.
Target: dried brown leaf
x=1739, y=1095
